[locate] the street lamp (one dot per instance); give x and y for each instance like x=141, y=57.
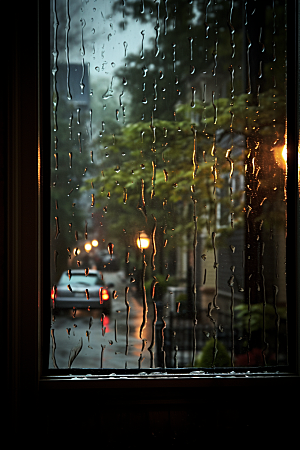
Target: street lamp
x=87, y=247
x=142, y=241
x=95, y=243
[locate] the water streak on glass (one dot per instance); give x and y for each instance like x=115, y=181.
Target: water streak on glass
x=67, y=29
x=54, y=68
x=168, y=176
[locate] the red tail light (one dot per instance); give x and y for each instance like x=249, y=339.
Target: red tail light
x=53, y=293
x=103, y=295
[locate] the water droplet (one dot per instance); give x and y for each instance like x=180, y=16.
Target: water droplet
x=215, y=107
x=231, y=281
x=110, y=248
x=144, y=71
x=125, y=44
x=56, y=160
x=79, y=141
x=124, y=196
x=74, y=352
x=142, y=50
x=193, y=97
x=109, y=93
x=57, y=231
x=232, y=248
x=174, y=56
x=88, y=333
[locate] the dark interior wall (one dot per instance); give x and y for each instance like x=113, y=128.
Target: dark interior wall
x=176, y=417
x=131, y=416
x=18, y=215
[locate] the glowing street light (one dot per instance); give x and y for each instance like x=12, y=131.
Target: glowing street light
x=142, y=241
x=87, y=247
x=95, y=243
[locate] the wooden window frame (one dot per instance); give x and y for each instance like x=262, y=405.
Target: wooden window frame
x=24, y=235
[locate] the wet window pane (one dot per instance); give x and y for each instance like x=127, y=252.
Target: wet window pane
x=168, y=184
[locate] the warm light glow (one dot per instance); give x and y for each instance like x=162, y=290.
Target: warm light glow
x=76, y=251
x=284, y=153
x=104, y=294
x=280, y=153
x=143, y=241
x=87, y=247
x=95, y=243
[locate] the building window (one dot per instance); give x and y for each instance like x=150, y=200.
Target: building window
x=168, y=210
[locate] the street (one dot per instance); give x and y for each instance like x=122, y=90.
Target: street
x=89, y=340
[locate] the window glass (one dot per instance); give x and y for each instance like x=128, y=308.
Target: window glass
x=168, y=184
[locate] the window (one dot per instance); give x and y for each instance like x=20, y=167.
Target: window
x=168, y=177
x=183, y=405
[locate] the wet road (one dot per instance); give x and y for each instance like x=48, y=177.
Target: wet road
x=113, y=342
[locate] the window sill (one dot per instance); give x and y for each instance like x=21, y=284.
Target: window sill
x=191, y=379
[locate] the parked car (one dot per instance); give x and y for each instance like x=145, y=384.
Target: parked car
x=80, y=288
